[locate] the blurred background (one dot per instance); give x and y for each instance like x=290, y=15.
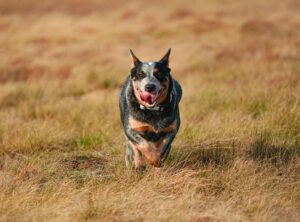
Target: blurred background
x=62, y=39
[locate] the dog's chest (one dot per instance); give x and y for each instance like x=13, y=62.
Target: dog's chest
x=149, y=131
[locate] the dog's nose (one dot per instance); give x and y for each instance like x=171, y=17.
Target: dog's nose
x=149, y=87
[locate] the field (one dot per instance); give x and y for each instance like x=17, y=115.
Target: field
x=237, y=154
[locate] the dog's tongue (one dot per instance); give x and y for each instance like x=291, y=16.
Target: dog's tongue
x=148, y=97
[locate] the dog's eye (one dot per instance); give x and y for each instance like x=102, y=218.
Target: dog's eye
x=159, y=75
x=141, y=74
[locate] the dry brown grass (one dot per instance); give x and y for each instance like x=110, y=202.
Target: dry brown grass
x=236, y=157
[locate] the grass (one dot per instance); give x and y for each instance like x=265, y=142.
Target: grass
x=236, y=157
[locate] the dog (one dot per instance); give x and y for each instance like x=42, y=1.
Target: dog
x=149, y=110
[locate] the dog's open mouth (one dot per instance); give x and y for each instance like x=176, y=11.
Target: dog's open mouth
x=150, y=98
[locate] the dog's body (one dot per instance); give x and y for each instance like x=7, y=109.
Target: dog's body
x=149, y=110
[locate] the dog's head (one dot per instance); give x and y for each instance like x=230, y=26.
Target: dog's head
x=150, y=80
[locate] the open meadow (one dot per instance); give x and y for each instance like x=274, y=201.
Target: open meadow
x=237, y=154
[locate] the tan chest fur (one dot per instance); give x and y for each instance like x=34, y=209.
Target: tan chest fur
x=142, y=126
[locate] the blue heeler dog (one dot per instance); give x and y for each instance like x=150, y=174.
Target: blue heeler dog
x=149, y=106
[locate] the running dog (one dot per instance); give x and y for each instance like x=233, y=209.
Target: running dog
x=149, y=107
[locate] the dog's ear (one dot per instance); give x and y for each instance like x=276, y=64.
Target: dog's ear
x=165, y=59
x=135, y=60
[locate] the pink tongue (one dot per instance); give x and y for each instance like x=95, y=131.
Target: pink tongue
x=148, y=97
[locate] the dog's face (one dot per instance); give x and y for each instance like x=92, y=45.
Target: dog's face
x=150, y=80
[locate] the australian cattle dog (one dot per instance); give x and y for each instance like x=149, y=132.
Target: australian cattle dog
x=149, y=106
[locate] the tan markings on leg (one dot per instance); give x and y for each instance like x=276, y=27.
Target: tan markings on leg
x=137, y=156
x=160, y=144
x=151, y=154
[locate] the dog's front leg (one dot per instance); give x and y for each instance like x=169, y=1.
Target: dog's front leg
x=133, y=140
x=150, y=152
x=136, y=155
x=164, y=146
x=140, y=145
